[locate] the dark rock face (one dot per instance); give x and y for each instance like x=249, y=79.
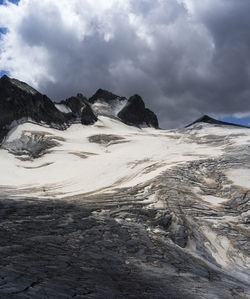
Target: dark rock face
x=29, y=147
x=210, y=120
x=80, y=108
x=104, y=95
x=18, y=100
x=88, y=117
x=151, y=118
x=75, y=103
x=135, y=113
x=106, y=103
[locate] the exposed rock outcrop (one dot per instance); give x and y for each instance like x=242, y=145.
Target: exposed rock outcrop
x=135, y=113
x=87, y=115
x=106, y=103
x=75, y=104
x=209, y=120
x=102, y=94
x=80, y=108
x=20, y=101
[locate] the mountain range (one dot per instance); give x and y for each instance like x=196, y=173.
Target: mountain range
x=20, y=102
x=98, y=202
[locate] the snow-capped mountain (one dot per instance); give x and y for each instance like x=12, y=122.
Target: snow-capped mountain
x=96, y=202
x=19, y=102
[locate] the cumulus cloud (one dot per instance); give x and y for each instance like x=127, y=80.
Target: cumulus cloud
x=184, y=57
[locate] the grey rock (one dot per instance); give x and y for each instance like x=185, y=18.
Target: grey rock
x=135, y=113
x=210, y=120
x=21, y=103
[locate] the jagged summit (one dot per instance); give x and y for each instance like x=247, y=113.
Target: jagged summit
x=5, y=78
x=105, y=95
x=107, y=103
x=20, y=102
x=7, y=82
x=207, y=119
x=132, y=111
x=79, y=107
x=135, y=113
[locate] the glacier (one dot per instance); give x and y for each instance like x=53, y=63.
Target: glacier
x=116, y=211
x=96, y=201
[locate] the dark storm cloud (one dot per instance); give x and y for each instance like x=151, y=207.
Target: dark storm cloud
x=184, y=58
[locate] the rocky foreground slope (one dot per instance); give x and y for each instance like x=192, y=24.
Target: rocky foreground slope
x=111, y=210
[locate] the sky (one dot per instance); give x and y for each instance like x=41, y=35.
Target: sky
x=185, y=58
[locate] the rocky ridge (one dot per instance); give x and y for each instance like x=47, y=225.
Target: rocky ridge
x=19, y=102
x=209, y=120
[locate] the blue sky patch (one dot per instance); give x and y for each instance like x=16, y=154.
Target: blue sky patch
x=242, y=121
x=12, y=1
x=2, y=72
x=3, y=30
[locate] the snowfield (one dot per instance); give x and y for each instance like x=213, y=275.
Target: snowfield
x=127, y=157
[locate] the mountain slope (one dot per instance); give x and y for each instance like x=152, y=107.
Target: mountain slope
x=132, y=111
x=102, y=149
x=19, y=101
x=209, y=120
x=118, y=211
x=112, y=210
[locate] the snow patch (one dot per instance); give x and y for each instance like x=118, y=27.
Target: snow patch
x=112, y=108
x=63, y=108
x=240, y=177
x=228, y=257
x=213, y=199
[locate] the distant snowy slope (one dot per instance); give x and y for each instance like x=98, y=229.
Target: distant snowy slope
x=103, y=157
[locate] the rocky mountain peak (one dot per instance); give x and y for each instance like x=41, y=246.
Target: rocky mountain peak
x=135, y=113
x=4, y=78
x=9, y=85
x=104, y=95
x=107, y=103
x=20, y=102
x=78, y=107
x=137, y=102
x=81, y=96
x=209, y=120
x=75, y=103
